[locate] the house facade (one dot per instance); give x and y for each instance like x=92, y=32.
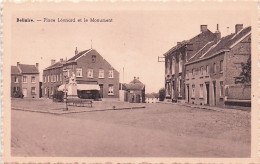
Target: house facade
x=25, y=79
x=90, y=69
x=135, y=91
x=213, y=73
x=176, y=58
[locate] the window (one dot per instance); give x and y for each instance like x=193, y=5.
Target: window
x=221, y=66
x=57, y=78
x=214, y=68
x=45, y=90
x=187, y=74
x=193, y=91
x=33, y=79
x=193, y=72
x=24, y=79
x=79, y=72
x=93, y=58
x=48, y=78
x=90, y=73
x=110, y=74
x=180, y=64
x=201, y=70
x=173, y=66
x=110, y=89
x=207, y=69
x=61, y=77
x=16, y=79
x=221, y=88
x=101, y=73
x=33, y=91
x=45, y=79
x=201, y=90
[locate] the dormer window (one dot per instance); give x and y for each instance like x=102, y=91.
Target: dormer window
x=93, y=58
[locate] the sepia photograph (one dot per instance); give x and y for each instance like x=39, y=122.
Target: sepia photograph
x=134, y=80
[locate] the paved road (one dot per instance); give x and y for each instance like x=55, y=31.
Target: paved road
x=159, y=130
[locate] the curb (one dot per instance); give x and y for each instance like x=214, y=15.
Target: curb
x=69, y=112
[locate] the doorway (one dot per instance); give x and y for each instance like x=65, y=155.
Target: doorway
x=25, y=92
x=188, y=93
x=207, y=92
x=214, y=92
x=101, y=90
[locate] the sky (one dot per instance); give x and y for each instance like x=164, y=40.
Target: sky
x=133, y=41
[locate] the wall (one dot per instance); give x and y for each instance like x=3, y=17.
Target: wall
x=204, y=79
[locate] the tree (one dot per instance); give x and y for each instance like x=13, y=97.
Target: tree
x=245, y=75
x=162, y=94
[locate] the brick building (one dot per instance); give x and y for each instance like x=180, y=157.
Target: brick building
x=94, y=75
x=212, y=73
x=25, y=79
x=176, y=58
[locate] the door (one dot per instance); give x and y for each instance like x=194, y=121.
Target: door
x=207, y=92
x=101, y=90
x=214, y=92
x=138, y=98
x=188, y=93
x=25, y=92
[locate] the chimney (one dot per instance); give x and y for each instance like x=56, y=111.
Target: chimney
x=52, y=61
x=217, y=34
x=18, y=64
x=76, y=51
x=61, y=59
x=137, y=78
x=37, y=65
x=203, y=28
x=238, y=27
x=134, y=77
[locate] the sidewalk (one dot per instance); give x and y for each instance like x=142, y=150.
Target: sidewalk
x=231, y=109
x=58, y=108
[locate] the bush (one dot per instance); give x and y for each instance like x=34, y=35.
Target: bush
x=58, y=96
x=162, y=94
x=17, y=94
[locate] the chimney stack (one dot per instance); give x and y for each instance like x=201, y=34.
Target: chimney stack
x=18, y=64
x=217, y=34
x=76, y=51
x=37, y=65
x=203, y=28
x=52, y=61
x=61, y=59
x=238, y=27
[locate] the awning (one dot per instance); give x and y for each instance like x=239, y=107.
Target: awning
x=82, y=87
x=88, y=87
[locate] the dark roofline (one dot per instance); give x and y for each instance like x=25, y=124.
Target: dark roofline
x=183, y=43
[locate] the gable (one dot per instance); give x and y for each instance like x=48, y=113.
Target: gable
x=99, y=62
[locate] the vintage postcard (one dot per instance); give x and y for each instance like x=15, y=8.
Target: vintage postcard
x=130, y=82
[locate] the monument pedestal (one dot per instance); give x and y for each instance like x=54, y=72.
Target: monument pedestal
x=72, y=91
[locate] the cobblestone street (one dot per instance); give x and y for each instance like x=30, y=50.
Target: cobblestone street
x=158, y=130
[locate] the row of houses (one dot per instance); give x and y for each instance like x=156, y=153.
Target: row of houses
x=206, y=69
x=95, y=78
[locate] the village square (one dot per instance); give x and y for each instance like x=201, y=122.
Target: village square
x=80, y=106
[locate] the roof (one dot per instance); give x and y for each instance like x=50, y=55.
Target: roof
x=25, y=68
x=55, y=65
x=184, y=42
x=79, y=54
x=223, y=44
x=135, y=84
x=15, y=70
